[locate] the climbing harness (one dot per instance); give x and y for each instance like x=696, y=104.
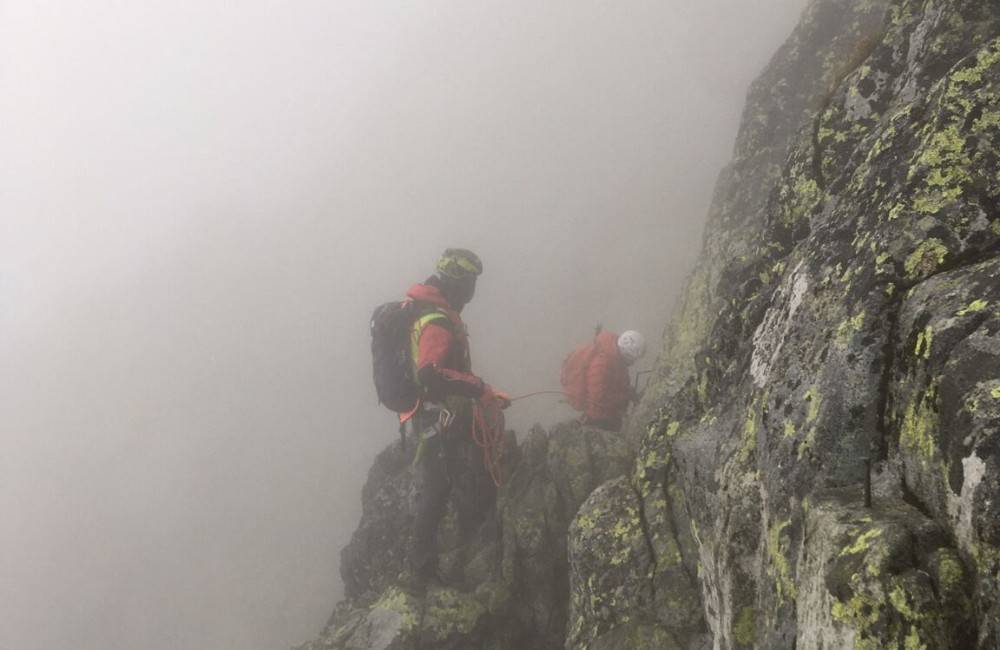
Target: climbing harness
x=439, y=426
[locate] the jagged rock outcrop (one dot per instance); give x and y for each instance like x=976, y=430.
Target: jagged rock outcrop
x=506, y=587
x=846, y=306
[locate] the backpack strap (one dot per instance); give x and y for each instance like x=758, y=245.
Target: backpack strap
x=418, y=328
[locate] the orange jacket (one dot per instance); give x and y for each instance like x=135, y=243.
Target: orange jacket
x=596, y=381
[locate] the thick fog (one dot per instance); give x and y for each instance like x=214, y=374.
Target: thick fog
x=200, y=204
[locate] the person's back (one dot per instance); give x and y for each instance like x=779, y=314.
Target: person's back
x=596, y=380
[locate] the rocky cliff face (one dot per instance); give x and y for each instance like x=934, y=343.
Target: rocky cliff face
x=846, y=307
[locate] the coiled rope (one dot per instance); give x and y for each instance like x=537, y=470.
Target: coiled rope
x=488, y=430
x=489, y=434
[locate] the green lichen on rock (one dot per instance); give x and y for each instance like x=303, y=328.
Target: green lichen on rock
x=860, y=612
x=399, y=602
x=815, y=400
x=926, y=258
x=924, y=341
x=800, y=196
x=971, y=75
x=777, y=549
x=918, y=431
x=946, y=165
x=451, y=613
x=614, y=561
x=745, y=628
x=863, y=543
x=898, y=599
x=749, y=439
x=887, y=587
x=612, y=552
x=973, y=307
x=848, y=328
x=913, y=642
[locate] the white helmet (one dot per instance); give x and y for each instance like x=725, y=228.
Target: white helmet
x=632, y=346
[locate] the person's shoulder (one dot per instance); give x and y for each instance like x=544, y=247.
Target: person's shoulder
x=606, y=342
x=434, y=316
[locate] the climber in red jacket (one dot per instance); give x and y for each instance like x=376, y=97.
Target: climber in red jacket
x=441, y=423
x=595, y=377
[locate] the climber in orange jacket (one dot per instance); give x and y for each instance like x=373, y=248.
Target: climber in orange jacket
x=595, y=377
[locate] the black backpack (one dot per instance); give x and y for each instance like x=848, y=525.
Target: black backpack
x=392, y=358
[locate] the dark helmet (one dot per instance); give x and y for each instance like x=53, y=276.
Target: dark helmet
x=456, y=275
x=459, y=263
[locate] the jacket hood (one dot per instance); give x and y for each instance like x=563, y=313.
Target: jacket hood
x=427, y=293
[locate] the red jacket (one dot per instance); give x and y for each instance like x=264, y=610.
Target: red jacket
x=443, y=363
x=596, y=381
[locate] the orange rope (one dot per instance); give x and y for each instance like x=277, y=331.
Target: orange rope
x=488, y=432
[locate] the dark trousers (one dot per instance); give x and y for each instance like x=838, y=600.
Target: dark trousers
x=449, y=466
